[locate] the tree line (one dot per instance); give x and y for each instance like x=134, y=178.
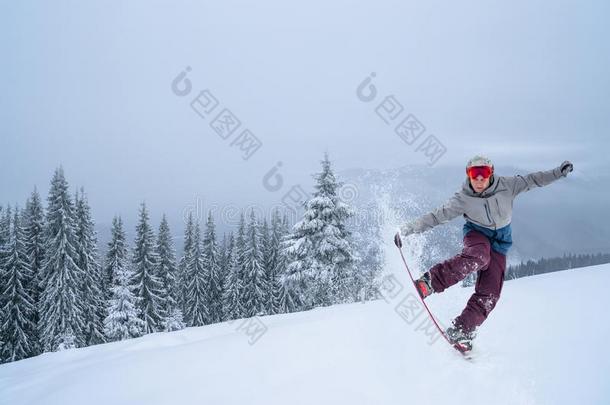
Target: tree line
x=547, y=265
x=59, y=293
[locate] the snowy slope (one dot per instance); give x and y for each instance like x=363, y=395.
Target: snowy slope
x=545, y=343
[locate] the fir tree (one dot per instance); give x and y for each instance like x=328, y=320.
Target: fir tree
x=321, y=259
x=196, y=298
x=268, y=263
x=5, y=238
x=33, y=222
x=4, y=231
x=5, y=228
x=283, y=300
x=187, y=251
x=231, y=298
x=17, y=306
x=255, y=284
x=225, y=252
x=116, y=254
x=167, y=273
x=61, y=315
x=149, y=288
x=122, y=321
x=91, y=291
x=211, y=265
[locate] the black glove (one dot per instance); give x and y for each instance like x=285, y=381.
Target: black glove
x=566, y=167
x=397, y=240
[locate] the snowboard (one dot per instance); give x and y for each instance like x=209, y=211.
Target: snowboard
x=464, y=351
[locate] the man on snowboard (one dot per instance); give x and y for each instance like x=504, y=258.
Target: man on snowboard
x=486, y=202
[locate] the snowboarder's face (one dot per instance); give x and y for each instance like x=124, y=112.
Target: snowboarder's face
x=479, y=183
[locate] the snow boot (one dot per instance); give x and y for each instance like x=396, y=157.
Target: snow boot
x=459, y=338
x=424, y=285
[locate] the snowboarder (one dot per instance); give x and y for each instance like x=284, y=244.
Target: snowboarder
x=486, y=202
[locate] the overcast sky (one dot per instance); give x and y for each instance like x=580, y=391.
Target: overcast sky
x=88, y=85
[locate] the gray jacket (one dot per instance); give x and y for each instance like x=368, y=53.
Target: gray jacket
x=492, y=208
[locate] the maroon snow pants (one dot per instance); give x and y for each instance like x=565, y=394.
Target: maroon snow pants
x=476, y=255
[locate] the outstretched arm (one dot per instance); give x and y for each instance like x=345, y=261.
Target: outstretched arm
x=449, y=210
x=520, y=184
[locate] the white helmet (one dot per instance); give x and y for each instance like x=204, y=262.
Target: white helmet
x=479, y=160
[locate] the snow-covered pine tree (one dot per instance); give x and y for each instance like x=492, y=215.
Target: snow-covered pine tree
x=4, y=233
x=321, y=258
x=33, y=223
x=5, y=227
x=5, y=237
x=168, y=273
x=268, y=257
x=3, y=247
x=283, y=300
x=148, y=287
x=255, y=284
x=123, y=321
x=61, y=316
x=91, y=290
x=232, y=295
x=18, y=312
x=196, y=299
x=224, y=253
x=187, y=250
x=117, y=255
x=211, y=265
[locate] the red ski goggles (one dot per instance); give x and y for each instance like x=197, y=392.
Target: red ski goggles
x=475, y=171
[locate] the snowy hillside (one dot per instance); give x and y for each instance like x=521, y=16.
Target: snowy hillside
x=362, y=353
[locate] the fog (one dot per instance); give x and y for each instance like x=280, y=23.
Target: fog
x=89, y=86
